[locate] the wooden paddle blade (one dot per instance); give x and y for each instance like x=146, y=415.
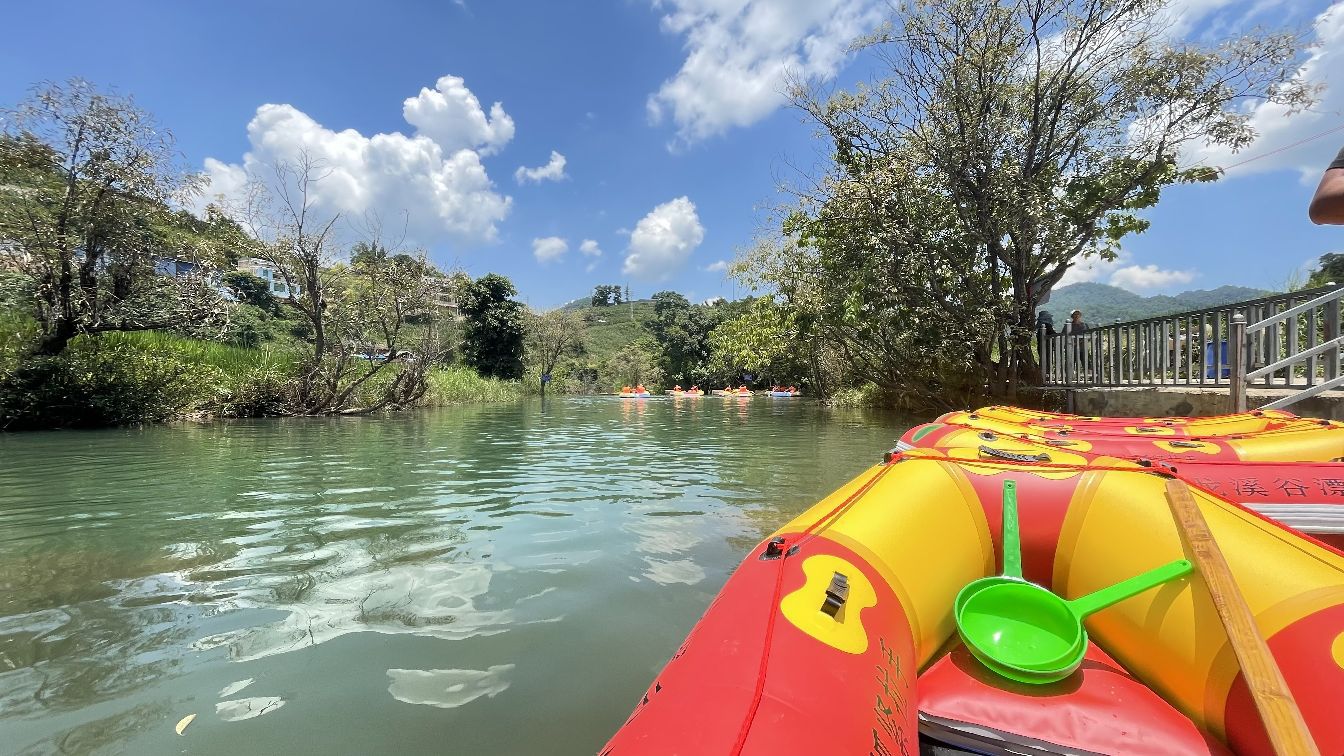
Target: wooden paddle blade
x=1287, y=730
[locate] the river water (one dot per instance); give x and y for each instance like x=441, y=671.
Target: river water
x=475, y=580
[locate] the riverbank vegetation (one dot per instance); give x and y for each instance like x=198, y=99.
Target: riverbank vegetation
x=997, y=145
x=115, y=308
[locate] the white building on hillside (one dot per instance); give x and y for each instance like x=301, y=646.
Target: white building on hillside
x=270, y=274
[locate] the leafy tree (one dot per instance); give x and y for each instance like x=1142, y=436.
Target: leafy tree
x=551, y=336
x=763, y=341
x=492, y=340
x=1037, y=131
x=87, y=179
x=343, y=309
x=633, y=364
x=606, y=295
x=681, y=331
x=1330, y=269
x=251, y=289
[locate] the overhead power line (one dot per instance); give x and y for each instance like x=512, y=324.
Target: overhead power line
x=1286, y=147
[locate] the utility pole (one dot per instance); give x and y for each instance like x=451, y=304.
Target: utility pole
x=631, y=301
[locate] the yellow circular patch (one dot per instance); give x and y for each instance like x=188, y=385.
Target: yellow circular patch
x=1337, y=650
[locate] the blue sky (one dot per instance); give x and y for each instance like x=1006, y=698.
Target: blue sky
x=666, y=116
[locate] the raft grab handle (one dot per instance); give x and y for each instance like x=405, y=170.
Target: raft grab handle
x=988, y=451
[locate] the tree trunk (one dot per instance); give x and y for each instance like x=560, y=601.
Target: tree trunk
x=55, y=341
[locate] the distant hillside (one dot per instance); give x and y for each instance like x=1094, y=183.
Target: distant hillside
x=1102, y=303
x=610, y=328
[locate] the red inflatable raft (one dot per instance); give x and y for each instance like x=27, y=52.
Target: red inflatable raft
x=836, y=636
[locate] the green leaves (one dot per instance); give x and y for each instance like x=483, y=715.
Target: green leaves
x=1002, y=143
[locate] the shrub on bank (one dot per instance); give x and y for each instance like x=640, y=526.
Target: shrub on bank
x=867, y=395
x=149, y=376
x=143, y=377
x=95, y=384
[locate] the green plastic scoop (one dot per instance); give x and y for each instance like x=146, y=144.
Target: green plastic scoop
x=1012, y=551
x=1026, y=633
x=1023, y=631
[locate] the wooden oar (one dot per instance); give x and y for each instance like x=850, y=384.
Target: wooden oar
x=1288, y=732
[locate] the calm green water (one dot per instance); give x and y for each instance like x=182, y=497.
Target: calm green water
x=484, y=580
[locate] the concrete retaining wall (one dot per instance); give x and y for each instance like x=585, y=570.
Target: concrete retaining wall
x=1181, y=401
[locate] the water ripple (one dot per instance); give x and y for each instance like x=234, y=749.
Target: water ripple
x=540, y=555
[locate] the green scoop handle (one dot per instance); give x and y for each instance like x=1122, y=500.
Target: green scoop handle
x=1012, y=539
x=1098, y=600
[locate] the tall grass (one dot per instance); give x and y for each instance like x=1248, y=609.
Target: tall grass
x=227, y=358
x=460, y=385
x=17, y=332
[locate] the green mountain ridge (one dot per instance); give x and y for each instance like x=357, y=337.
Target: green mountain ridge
x=1103, y=304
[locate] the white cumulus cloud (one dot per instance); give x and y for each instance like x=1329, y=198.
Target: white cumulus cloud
x=1277, y=130
x=663, y=240
x=549, y=248
x=589, y=248
x=1138, y=278
x=452, y=116
x=554, y=170
x=1126, y=274
x=718, y=266
x=432, y=179
x=740, y=53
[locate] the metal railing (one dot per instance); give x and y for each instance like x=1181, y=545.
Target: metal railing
x=1287, y=340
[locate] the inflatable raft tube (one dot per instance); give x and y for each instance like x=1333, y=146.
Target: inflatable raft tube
x=1080, y=422
x=1313, y=442
x=1193, y=428
x=1306, y=496
x=633, y=395
x=814, y=643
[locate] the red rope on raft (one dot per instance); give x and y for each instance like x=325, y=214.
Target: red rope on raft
x=774, y=601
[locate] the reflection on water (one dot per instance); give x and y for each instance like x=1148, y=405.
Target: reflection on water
x=447, y=688
x=475, y=580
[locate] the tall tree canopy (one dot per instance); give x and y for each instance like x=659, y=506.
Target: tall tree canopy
x=1003, y=142
x=550, y=336
x=87, y=182
x=682, y=332
x=492, y=340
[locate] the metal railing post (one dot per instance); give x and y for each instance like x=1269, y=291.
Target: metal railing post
x=1237, y=357
x=1041, y=355
x=1332, y=332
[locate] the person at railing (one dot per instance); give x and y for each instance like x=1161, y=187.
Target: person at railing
x=1045, y=322
x=1076, y=325
x=1045, y=326
x=1327, y=205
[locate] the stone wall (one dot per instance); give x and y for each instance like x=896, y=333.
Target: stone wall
x=1182, y=401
